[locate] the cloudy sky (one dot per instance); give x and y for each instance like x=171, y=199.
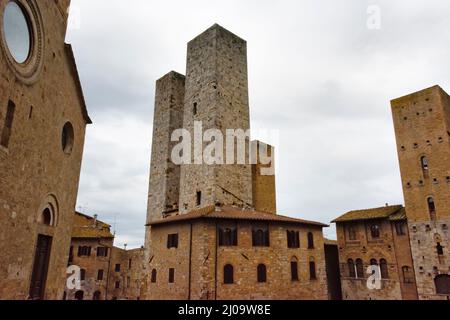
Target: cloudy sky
x=321, y=72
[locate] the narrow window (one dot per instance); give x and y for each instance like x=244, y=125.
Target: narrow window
x=71, y=255
x=171, y=275
x=400, y=228
x=117, y=284
x=384, y=269
x=351, y=233
x=117, y=268
x=375, y=231
x=425, y=166
x=199, y=198
x=294, y=269
x=359, y=269
x=432, y=208
x=351, y=268
x=440, y=249
x=82, y=274
x=172, y=241
x=293, y=238
x=408, y=276
x=7, y=128
x=262, y=273
x=130, y=261
x=47, y=217
x=79, y=295
x=100, y=275
x=154, y=275
x=195, y=109
x=228, y=274
x=67, y=138
x=310, y=240
x=312, y=270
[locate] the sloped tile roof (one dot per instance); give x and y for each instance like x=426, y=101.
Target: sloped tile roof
x=371, y=214
x=84, y=227
x=232, y=213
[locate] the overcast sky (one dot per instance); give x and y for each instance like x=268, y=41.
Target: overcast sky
x=317, y=74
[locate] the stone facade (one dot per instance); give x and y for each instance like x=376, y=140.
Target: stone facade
x=91, y=248
x=198, y=260
x=378, y=237
x=263, y=184
x=422, y=126
x=42, y=126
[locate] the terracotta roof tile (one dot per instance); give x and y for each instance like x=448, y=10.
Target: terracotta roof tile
x=232, y=213
x=370, y=214
x=84, y=227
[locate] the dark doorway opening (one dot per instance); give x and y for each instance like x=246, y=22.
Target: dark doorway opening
x=40, y=267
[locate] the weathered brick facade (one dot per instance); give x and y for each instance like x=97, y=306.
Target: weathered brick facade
x=42, y=126
x=375, y=237
x=198, y=260
x=422, y=127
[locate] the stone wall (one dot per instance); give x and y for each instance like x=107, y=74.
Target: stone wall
x=263, y=185
x=35, y=172
x=217, y=95
x=199, y=263
x=421, y=125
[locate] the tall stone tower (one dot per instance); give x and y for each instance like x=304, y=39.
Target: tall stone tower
x=422, y=126
x=217, y=96
x=165, y=175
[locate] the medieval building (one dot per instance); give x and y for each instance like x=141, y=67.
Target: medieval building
x=422, y=128
x=213, y=231
x=43, y=118
x=379, y=238
x=106, y=272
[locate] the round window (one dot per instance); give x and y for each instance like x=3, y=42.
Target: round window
x=17, y=32
x=67, y=138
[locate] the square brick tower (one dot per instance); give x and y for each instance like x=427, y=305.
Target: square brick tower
x=422, y=127
x=216, y=94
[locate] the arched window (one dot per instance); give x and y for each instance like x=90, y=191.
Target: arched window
x=408, y=275
x=79, y=295
x=425, y=166
x=375, y=231
x=228, y=237
x=351, y=268
x=442, y=283
x=154, y=275
x=373, y=262
x=262, y=273
x=67, y=138
x=293, y=239
x=384, y=269
x=294, y=269
x=261, y=237
x=47, y=217
x=6, y=131
x=440, y=249
x=312, y=269
x=359, y=269
x=228, y=274
x=97, y=295
x=310, y=240
x=432, y=208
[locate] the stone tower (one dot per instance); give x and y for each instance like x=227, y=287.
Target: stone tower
x=43, y=119
x=165, y=175
x=216, y=94
x=422, y=127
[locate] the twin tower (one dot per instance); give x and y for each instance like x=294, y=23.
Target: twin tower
x=214, y=93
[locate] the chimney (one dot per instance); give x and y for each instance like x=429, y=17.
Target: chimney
x=95, y=220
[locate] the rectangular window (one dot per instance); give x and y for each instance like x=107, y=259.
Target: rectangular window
x=172, y=241
x=400, y=228
x=117, y=269
x=293, y=238
x=129, y=263
x=117, y=284
x=7, y=127
x=102, y=252
x=199, y=198
x=171, y=275
x=100, y=275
